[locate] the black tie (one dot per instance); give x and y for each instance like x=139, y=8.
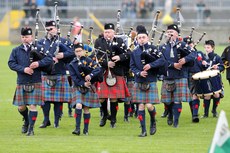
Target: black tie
x=27, y=47
x=109, y=43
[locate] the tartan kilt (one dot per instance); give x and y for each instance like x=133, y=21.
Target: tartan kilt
x=61, y=92
x=145, y=97
x=191, y=84
x=180, y=94
x=21, y=97
x=119, y=90
x=130, y=85
x=90, y=99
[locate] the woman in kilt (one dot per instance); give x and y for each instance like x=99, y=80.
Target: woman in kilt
x=28, y=90
x=145, y=91
x=85, y=73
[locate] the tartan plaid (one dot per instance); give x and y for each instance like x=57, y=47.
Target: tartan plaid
x=90, y=99
x=145, y=97
x=61, y=92
x=191, y=84
x=130, y=85
x=181, y=93
x=25, y=98
x=119, y=90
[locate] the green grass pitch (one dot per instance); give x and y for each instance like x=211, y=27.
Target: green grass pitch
x=188, y=138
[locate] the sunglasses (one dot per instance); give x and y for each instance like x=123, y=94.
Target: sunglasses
x=49, y=29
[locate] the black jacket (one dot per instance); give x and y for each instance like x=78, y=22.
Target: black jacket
x=117, y=47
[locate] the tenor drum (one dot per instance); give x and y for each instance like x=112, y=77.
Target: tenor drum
x=207, y=82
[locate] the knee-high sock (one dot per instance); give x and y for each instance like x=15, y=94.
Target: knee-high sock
x=216, y=102
x=195, y=107
x=104, y=108
x=141, y=117
x=165, y=107
x=86, y=122
x=191, y=107
x=69, y=108
x=170, y=110
x=78, y=113
x=206, y=106
x=46, y=111
x=177, y=108
x=132, y=107
x=137, y=107
x=113, y=109
x=57, y=112
x=32, y=119
x=25, y=116
x=152, y=114
x=126, y=109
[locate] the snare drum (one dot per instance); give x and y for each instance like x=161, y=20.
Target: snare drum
x=208, y=82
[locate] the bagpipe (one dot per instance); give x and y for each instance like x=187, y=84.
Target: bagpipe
x=185, y=50
x=85, y=66
x=35, y=55
x=152, y=53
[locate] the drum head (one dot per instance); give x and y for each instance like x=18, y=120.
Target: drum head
x=205, y=74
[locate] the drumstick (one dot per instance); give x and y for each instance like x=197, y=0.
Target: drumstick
x=212, y=66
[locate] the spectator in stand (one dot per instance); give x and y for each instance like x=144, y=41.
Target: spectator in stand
x=177, y=5
x=49, y=4
x=129, y=10
x=142, y=9
x=63, y=4
x=30, y=7
x=150, y=7
x=200, y=5
x=207, y=15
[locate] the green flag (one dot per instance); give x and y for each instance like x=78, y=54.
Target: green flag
x=221, y=139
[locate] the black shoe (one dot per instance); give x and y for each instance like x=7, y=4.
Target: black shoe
x=76, y=132
x=45, y=124
x=103, y=121
x=30, y=133
x=175, y=123
x=165, y=114
x=131, y=114
x=85, y=132
x=126, y=119
x=113, y=124
x=136, y=115
x=170, y=121
x=56, y=125
x=204, y=116
x=70, y=114
x=143, y=134
x=215, y=114
x=25, y=127
x=195, y=119
x=153, y=129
